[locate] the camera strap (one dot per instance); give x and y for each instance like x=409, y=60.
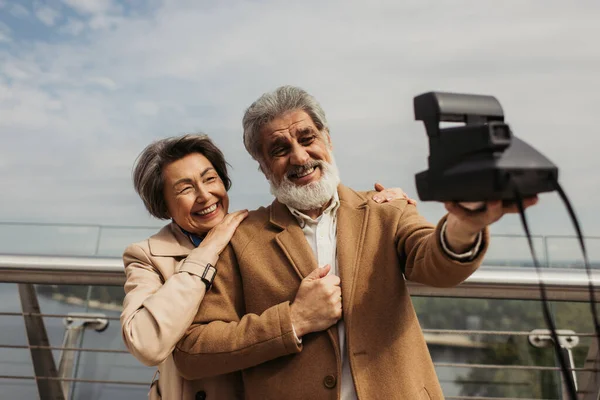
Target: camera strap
x=564, y=365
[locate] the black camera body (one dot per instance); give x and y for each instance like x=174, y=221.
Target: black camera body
x=481, y=160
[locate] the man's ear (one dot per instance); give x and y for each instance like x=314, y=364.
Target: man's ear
x=263, y=169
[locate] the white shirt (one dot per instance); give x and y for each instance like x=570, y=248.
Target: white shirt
x=321, y=236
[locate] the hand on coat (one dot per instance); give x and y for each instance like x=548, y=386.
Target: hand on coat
x=219, y=236
x=466, y=220
x=318, y=303
x=386, y=195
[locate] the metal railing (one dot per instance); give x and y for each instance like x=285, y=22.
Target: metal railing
x=110, y=240
x=489, y=282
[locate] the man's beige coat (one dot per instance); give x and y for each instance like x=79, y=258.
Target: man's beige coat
x=378, y=247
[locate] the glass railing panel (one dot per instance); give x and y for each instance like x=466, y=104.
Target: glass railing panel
x=109, y=366
x=564, y=251
x=450, y=350
x=491, y=383
x=64, y=240
x=60, y=300
x=513, y=250
x=516, y=318
x=112, y=366
x=118, y=367
x=14, y=361
x=69, y=239
x=110, y=241
x=113, y=240
x=19, y=389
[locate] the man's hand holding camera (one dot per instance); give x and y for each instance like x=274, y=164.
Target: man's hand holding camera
x=466, y=220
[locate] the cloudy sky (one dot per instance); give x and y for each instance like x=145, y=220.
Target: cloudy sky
x=86, y=84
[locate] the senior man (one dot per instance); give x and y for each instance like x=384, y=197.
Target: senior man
x=367, y=343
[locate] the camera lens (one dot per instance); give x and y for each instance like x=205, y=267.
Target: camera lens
x=501, y=132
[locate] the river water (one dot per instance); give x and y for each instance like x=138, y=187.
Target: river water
x=92, y=365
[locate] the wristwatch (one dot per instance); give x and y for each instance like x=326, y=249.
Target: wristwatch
x=208, y=276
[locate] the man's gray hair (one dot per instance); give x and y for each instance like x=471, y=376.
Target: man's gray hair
x=274, y=104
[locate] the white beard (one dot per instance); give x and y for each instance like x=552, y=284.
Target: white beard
x=311, y=196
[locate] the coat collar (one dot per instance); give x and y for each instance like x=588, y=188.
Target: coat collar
x=282, y=218
x=170, y=241
x=351, y=225
x=292, y=242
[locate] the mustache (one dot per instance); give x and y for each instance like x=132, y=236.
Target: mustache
x=296, y=169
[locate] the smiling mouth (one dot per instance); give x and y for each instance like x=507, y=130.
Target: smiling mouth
x=302, y=173
x=207, y=210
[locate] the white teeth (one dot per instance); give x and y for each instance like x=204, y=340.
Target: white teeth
x=207, y=210
x=305, y=172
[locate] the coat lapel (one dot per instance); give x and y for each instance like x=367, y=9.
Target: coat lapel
x=351, y=224
x=294, y=245
x=170, y=241
x=292, y=242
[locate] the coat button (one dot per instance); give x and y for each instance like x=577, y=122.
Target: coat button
x=329, y=381
x=201, y=395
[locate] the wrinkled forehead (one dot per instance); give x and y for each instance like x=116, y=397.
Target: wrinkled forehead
x=291, y=123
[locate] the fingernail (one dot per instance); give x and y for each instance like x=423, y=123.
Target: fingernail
x=390, y=198
x=377, y=199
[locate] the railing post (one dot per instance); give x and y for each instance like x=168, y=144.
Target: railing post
x=567, y=339
x=590, y=379
x=75, y=325
x=43, y=361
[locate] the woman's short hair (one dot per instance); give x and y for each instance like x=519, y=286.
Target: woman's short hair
x=147, y=173
x=274, y=104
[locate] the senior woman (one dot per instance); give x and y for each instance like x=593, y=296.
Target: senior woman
x=183, y=179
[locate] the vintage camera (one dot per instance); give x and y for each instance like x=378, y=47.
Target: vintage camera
x=480, y=160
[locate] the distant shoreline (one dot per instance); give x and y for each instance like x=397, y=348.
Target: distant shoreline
x=77, y=301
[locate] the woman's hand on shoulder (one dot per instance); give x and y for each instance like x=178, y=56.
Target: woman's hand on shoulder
x=219, y=236
x=384, y=195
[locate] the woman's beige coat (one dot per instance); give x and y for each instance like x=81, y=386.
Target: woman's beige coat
x=160, y=303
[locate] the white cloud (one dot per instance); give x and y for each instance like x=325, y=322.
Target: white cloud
x=146, y=108
x=5, y=33
x=91, y=106
x=99, y=22
x=47, y=15
x=13, y=71
x=87, y=7
x=19, y=11
x=23, y=109
x=103, y=81
x=73, y=27
x=99, y=15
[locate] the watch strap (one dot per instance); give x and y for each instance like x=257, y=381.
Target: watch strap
x=206, y=273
